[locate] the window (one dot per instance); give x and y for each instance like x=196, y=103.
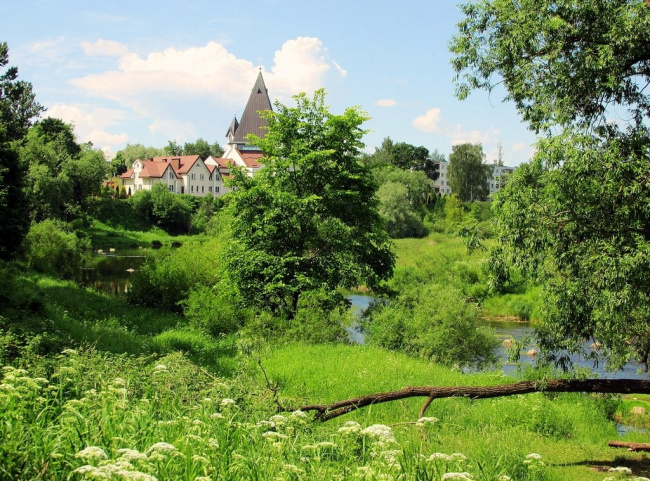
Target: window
x=216, y=189
x=192, y=188
x=202, y=188
x=202, y=177
x=210, y=189
x=171, y=187
x=171, y=175
x=193, y=176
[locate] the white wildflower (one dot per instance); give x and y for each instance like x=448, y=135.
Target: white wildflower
x=504, y=477
x=350, y=427
x=200, y=459
x=161, y=448
x=533, y=456
x=326, y=445
x=425, y=420
x=462, y=476
x=130, y=454
x=202, y=478
x=293, y=469
x=439, y=457
x=228, y=402
x=458, y=457
x=160, y=368
x=620, y=469
x=93, y=453
x=274, y=436
x=278, y=419
x=85, y=469
x=299, y=415
x=379, y=431
x=217, y=416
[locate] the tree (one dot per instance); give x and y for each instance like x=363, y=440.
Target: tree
x=138, y=151
x=402, y=220
x=405, y=156
x=576, y=219
x=203, y=148
x=62, y=174
x=18, y=108
x=308, y=221
x=468, y=175
x=561, y=62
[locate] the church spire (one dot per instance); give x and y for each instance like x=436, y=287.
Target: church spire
x=251, y=122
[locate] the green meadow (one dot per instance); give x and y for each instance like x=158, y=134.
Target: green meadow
x=95, y=388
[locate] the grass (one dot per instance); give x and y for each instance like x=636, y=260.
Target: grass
x=101, y=389
x=104, y=236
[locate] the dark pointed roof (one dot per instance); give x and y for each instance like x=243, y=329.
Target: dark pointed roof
x=251, y=122
x=233, y=128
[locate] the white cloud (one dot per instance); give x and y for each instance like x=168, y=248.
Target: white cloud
x=169, y=88
x=90, y=124
x=300, y=66
x=518, y=147
x=386, y=103
x=460, y=136
x=173, y=130
x=106, y=48
x=428, y=122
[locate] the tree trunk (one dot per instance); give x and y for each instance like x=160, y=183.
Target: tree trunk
x=629, y=446
x=325, y=412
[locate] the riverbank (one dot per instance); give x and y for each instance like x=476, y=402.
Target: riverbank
x=114, y=348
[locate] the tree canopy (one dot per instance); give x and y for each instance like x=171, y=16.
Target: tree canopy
x=18, y=109
x=405, y=156
x=576, y=218
x=309, y=220
x=467, y=174
x=561, y=62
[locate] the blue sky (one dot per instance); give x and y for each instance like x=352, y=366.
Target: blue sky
x=148, y=72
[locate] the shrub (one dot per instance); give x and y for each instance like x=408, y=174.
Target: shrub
x=167, y=278
x=440, y=325
x=214, y=310
x=51, y=248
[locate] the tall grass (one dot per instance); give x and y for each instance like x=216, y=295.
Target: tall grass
x=91, y=415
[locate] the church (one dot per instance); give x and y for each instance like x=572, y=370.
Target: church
x=190, y=174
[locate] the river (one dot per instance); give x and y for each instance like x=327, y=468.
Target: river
x=109, y=271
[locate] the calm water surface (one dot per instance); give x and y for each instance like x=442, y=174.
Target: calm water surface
x=109, y=271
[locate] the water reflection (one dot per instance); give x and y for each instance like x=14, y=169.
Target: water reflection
x=109, y=271
x=518, y=331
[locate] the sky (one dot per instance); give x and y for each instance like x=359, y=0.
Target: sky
x=148, y=72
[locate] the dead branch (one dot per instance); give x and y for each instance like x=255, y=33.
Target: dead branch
x=325, y=412
x=629, y=446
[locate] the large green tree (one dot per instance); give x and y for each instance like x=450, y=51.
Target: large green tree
x=308, y=221
x=468, y=175
x=405, y=156
x=577, y=218
x=18, y=109
x=61, y=173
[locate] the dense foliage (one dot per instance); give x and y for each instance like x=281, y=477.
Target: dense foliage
x=308, y=220
x=575, y=219
x=18, y=109
x=467, y=174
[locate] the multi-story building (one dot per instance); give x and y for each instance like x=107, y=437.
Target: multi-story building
x=190, y=174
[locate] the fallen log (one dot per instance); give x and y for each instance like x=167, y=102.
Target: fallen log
x=630, y=446
x=325, y=412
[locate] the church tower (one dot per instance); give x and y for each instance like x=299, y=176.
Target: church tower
x=251, y=122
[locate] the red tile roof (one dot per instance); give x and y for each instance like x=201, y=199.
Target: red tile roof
x=252, y=160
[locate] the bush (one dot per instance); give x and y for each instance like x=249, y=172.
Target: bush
x=168, y=277
x=438, y=325
x=214, y=310
x=50, y=247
